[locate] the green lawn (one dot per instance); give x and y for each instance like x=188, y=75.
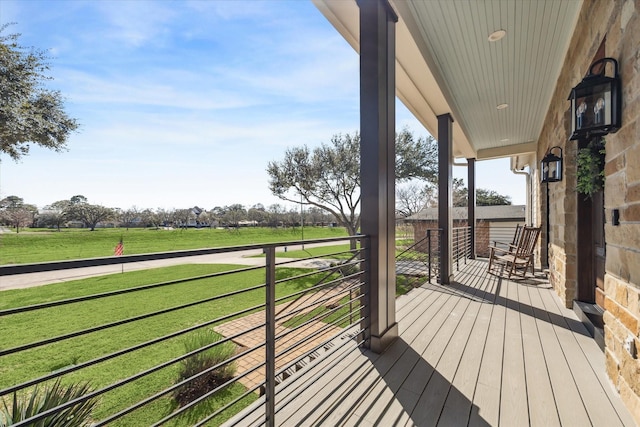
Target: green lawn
x=49, y=245
x=31, y=326
x=46, y=245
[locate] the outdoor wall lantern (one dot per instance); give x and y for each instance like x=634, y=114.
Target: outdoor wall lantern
x=596, y=102
x=551, y=166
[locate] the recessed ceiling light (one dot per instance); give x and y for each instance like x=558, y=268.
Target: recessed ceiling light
x=504, y=140
x=497, y=35
x=502, y=106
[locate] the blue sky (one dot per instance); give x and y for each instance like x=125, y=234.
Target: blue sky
x=183, y=103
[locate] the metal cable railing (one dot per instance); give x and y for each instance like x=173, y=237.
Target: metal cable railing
x=422, y=259
x=133, y=342
x=461, y=245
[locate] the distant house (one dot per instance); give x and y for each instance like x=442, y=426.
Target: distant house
x=493, y=223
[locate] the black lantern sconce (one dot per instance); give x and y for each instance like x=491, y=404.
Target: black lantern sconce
x=596, y=102
x=551, y=166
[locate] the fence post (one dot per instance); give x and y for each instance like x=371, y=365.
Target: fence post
x=440, y=251
x=270, y=350
x=350, y=307
x=429, y=252
x=467, y=235
x=457, y=250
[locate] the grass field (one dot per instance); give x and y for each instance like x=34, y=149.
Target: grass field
x=47, y=245
x=50, y=245
x=19, y=329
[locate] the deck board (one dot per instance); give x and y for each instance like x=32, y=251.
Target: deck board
x=458, y=406
x=589, y=387
x=539, y=390
x=514, y=409
x=414, y=340
x=449, y=364
x=569, y=403
x=484, y=351
x=487, y=393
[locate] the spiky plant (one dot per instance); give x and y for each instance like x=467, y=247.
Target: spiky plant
x=202, y=361
x=20, y=408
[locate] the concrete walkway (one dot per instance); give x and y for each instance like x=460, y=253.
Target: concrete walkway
x=246, y=258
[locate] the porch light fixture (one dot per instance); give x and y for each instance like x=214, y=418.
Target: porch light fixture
x=496, y=35
x=551, y=166
x=596, y=102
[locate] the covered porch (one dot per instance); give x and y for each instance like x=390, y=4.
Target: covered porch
x=481, y=351
x=490, y=79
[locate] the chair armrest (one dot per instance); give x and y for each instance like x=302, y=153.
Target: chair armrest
x=508, y=245
x=494, y=248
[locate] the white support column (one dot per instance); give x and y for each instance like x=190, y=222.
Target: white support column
x=377, y=167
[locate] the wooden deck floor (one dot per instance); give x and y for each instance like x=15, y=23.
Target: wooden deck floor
x=483, y=352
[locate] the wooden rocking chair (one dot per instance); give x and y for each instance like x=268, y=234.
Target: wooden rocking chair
x=513, y=242
x=517, y=259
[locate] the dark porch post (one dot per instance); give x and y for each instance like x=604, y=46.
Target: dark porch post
x=445, y=195
x=471, y=198
x=377, y=164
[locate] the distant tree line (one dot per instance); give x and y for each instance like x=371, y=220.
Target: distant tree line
x=78, y=212
x=413, y=197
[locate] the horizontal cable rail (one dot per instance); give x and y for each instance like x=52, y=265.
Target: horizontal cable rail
x=421, y=259
x=461, y=248
x=118, y=323
x=184, y=349
x=118, y=292
x=6, y=270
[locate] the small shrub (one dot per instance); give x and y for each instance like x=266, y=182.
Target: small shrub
x=41, y=400
x=202, y=361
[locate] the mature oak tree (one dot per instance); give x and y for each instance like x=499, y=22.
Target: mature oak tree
x=491, y=198
x=234, y=214
x=29, y=113
x=16, y=213
x=55, y=215
x=484, y=197
x=411, y=198
x=79, y=209
x=329, y=176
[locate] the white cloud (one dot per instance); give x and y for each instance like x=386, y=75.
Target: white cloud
x=170, y=88
x=135, y=23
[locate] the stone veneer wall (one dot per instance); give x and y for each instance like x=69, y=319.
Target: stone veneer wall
x=619, y=23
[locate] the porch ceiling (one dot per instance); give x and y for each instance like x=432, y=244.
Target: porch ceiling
x=446, y=64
